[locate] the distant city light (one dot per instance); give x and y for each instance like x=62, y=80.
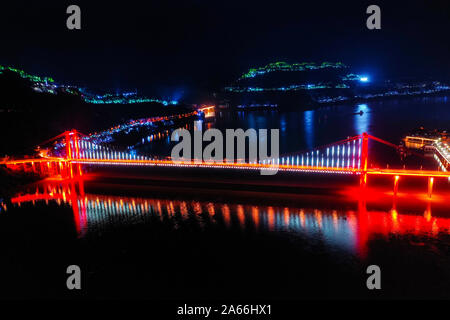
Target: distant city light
x=364, y=79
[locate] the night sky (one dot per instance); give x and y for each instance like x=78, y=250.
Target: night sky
x=171, y=47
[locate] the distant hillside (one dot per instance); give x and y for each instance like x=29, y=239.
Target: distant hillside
x=281, y=82
x=29, y=116
x=305, y=85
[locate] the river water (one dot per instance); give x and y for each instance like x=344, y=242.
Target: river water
x=154, y=238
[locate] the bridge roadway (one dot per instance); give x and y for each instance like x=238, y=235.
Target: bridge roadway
x=229, y=165
x=258, y=166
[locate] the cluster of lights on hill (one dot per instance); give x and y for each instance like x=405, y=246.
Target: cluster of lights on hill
x=295, y=67
x=343, y=80
x=48, y=85
x=27, y=76
x=283, y=66
x=122, y=98
x=294, y=87
x=105, y=136
x=400, y=90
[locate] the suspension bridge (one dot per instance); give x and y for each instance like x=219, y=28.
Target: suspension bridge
x=349, y=156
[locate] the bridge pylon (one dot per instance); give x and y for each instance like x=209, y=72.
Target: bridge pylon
x=72, y=152
x=364, y=158
x=72, y=144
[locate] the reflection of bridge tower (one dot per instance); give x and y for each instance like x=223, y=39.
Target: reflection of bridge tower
x=350, y=229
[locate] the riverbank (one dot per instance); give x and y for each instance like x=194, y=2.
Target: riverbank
x=304, y=105
x=11, y=181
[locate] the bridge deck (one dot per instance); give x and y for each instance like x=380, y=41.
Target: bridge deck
x=218, y=165
x=243, y=166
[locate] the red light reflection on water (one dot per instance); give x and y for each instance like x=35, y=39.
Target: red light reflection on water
x=348, y=229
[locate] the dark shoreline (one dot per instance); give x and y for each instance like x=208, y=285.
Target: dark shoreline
x=315, y=106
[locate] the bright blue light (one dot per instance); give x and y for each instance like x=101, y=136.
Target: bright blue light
x=364, y=79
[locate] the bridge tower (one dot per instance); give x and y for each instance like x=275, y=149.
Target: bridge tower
x=76, y=144
x=364, y=158
x=71, y=138
x=72, y=152
x=68, y=145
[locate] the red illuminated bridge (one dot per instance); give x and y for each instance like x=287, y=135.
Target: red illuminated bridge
x=349, y=156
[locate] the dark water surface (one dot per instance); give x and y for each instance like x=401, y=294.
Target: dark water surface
x=151, y=236
x=389, y=120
